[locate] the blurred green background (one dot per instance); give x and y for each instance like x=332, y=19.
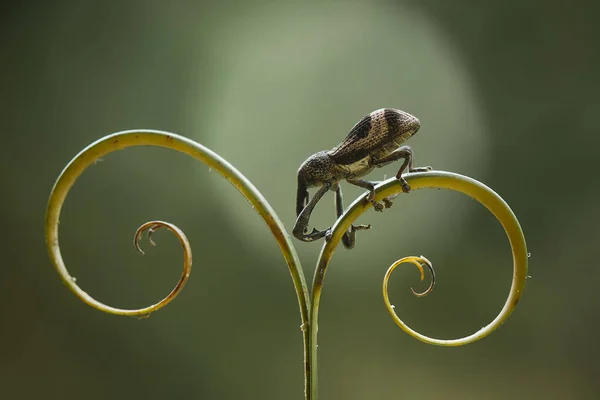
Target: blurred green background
x=506, y=91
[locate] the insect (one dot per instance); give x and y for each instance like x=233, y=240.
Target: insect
x=372, y=143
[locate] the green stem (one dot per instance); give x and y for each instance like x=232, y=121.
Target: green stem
x=122, y=140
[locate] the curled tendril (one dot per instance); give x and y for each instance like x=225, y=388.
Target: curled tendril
x=121, y=140
x=441, y=180
x=417, y=262
x=151, y=227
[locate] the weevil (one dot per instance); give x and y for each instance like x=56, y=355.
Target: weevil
x=375, y=141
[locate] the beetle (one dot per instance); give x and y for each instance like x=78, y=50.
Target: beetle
x=375, y=141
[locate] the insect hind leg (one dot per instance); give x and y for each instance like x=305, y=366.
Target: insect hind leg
x=405, y=152
x=371, y=188
x=349, y=238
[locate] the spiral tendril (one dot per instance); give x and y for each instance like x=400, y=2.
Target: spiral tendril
x=441, y=180
x=419, y=262
x=121, y=140
x=416, y=261
x=151, y=227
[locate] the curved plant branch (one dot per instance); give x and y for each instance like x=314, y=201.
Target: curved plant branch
x=441, y=180
x=309, y=315
x=122, y=140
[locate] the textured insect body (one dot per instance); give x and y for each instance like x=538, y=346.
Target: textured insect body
x=375, y=137
x=373, y=142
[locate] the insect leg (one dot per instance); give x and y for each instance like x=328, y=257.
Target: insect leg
x=405, y=152
x=388, y=202
x=349, y=238
x=371, y=188
x=301, y=225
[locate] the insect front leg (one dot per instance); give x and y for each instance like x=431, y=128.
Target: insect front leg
x=349, y=238
x=405, y=152
x=371, y=188
x=388, y=202
x=301, y=225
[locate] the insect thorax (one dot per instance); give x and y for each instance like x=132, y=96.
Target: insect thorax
x=356, y=169
x=318, y=169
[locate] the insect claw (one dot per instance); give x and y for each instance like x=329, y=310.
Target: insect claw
x=421, y=169
x=389, y=201
x=405, y=185
x=377, y=206
x=361, y=227
x=312, y=236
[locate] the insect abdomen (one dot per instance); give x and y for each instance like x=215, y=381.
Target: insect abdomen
x=375, y=135
x=389, y=129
